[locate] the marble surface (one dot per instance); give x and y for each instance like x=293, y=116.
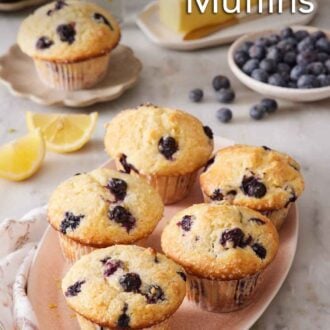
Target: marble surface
x=302, y=130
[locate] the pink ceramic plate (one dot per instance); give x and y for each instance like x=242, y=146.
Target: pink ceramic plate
x=49, y=267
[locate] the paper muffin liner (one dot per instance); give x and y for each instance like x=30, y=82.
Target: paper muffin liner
x=75, y=75
x=222, y=296
x=73, y=251
x=171, y=188
x=277, y=216
x=88, y=325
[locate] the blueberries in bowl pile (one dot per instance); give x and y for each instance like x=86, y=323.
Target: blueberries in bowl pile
x=291, y=59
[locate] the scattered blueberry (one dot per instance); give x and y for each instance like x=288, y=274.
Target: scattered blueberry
x=168, y=146
x=101, y=19
x=225, y=95
x=74, y=289
x=208, y=132
x=196, y=95
x=220, y=82
x=122, y=216
x=118, y=188
x=259, y=250
x=270, y=105
x=257, y=112
x=186, y=222
x=154, y=294
x=250, y=65
x=253, y=187
x=308, y=81
x=127, y=166
x=260, y=75
x=66, y=33
x=70, y=221
x=130, y=282
x=225, y=115
x=257, y=52
x=44, y=43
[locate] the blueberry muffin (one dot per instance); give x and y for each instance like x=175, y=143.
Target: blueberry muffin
x=165, y=146
x=256, y=177
x=103, y=208
x=224, y=249
x=70, y=42
x=124, y=286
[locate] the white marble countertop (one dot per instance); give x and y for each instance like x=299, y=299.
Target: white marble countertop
x=302, y=130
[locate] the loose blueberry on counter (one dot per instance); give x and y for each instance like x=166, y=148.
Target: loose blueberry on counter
x=270, y=105
x=186, y=223
x=217, y=195
x=118, y=188
x=127, y=166
x=101, y=19
x=74, y=289
x=183, y=276
x=130, y=282
x=259, y=250
x=235, y=237
x=111, y=266
x=220, y=82
x=257, y=112
x=268, y=65
x=196, y=95
x=168, y=146
x=124, y=319
x=225, y=115
x=66, y=33
x=225, y=95
x=253, y=187
x=208, y=132
x=260, y=75
x=122, y=216
x=70, y=221
x=44, y=43
x=257, y=52
x=154, y=294
x=257, y=221
x=250, y=65
x=308, y=81
x=324, y=80
x=241, y=57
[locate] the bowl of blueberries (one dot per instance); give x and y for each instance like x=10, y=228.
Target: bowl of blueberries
x=291, y=64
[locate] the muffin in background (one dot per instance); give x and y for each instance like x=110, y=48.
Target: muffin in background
x=224, y=250
x=123, y=287
x=256, y=177
x=70, y=42
x=102, y=208
x=165, y=146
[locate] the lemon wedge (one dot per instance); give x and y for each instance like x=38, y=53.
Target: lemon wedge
x=21, y=158
x=63, y=132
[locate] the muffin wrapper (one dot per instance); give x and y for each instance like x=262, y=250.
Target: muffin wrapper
x=75, y=75
x=88, y=325
x=73, y=251
x=171, y=188
x=222, y=296
x=277, y=216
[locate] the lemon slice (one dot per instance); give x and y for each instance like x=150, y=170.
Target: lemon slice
x=62, y=132
x=21, y=158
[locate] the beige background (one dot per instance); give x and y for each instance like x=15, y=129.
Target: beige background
x=303, y=130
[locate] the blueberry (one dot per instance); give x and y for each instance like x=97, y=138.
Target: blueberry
x=323, y=45
x=59, y=4
x=70, y=221
x=270, y=105
x=44, y=43
x=318, y=35
x=196, y=95
x=225, y=115
x=327, y=65
x=118, y=188
x=235, y=238
x=241, y=57
x=154, y=294
x=101, y=19
x=182, y=275
x=260, y=75
x=220, y=82
x=130, y=282
x=66, y=33
x=122, y=216
x=168, y=146
x=316, y=68
x=186, y=222
x=324, y=80
x=250, y=65
x=208, y=132
x=257, y=52
x=297, y=72
x=308, y=81
x=301, y=34
x=322, y=57
x=111, y=266
x=209, y=163
x=124, y=319
x=290, y=58
x=257, y=112
x=277, y=80
x=287, y=33
x=74, y=289
x=225, y=95
x=253, y=187
x=287, y=45
x=246, y=46
x=265, y=42
x=292, y=84
x=259, y=250
x=268, y=65
x=274, y=39
x=274, y=54
x=306, y=44
x=217, y=195
x=306, y=57
x=127, y=166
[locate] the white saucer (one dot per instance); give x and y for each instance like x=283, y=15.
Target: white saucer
x=18, y=74
x=149, y=23
x=18, y=5
x=290, y=94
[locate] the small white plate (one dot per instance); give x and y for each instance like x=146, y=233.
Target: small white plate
x=18, y=74
x=149, y=23
x=291, y=94
x=49, y=267
x=19, y=5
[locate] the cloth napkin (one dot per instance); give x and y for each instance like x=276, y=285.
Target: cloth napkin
x=19, y=241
